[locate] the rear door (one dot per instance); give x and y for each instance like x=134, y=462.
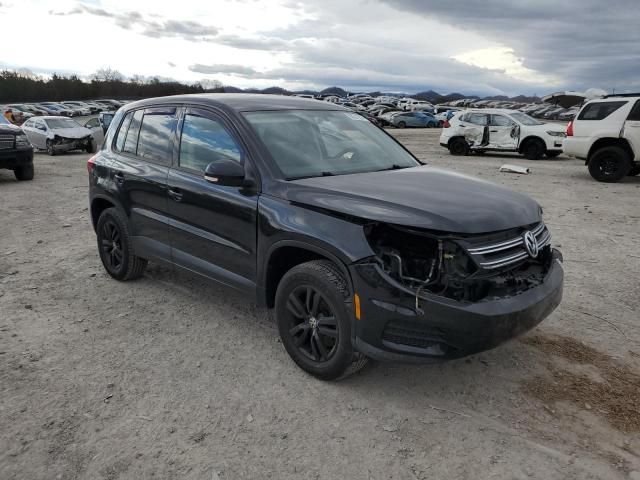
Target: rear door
x=631, y=129
x=503, y=132
x=212, y=227
x=144, y=151
x=474, y=128
x=37, y=134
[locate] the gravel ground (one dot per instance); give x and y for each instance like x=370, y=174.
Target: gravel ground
x=174, y=377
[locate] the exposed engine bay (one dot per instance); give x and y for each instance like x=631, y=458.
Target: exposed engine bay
x=423, y=262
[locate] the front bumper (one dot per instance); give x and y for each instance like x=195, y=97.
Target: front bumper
x=16, y=158
x=391, y=328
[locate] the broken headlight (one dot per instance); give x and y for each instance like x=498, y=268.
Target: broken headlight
x=421, y=261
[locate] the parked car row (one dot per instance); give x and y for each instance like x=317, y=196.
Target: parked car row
x=20, y=112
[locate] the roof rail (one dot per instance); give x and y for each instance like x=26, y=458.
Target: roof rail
x=622, y=95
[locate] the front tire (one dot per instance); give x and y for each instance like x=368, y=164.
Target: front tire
x=116, y=248
x=609, y=164
x=533, y=149
x=635, y=170
x=401, y=124
x=552, y=154
x=50, y=150
x=313, y=320
x=24, y=172
x=91, y=147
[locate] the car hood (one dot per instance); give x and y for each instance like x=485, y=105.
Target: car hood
x=75, y=132
x=421, y=197
x=10, y=129
x=550, y=127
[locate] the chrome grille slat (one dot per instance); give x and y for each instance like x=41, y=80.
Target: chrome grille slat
x=514, y=250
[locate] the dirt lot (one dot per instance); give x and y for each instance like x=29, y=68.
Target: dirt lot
x=174, y=377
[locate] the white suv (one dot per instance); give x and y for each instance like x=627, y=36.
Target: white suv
x=606, y=134
x=501, y=130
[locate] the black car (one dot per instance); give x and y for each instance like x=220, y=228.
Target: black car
x=16, y=153
x=310, y=209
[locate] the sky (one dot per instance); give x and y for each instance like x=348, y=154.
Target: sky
x=481, y=47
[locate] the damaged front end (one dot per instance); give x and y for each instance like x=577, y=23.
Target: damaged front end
x=64, y=144
x=435, y=294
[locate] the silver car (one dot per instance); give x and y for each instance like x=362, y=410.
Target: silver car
x=58, y=134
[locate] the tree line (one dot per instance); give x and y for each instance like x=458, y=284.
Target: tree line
x=19, y=87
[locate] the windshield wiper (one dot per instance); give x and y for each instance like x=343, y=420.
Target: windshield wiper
x=395, y=166
x=315, y=175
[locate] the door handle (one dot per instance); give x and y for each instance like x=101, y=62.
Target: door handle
x=175, y=194
x=494, y=131
x=118, y=177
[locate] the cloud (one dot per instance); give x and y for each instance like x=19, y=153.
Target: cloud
x=237, y=70
x=186, y=29
x=584, y=43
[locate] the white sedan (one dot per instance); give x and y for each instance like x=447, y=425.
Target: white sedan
x=58, y=134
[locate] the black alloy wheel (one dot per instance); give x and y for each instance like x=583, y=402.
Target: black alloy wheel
x=312, y=310
x=111, y=245
x=609, y=164
x=116, y=247
x=313, y=324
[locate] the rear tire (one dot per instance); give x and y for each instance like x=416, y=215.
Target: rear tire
x=313, y=320
x=459, y=147
x=24, y=173
x=533, y=149
x=116, y=248
x=609, y=164
x=401, y=124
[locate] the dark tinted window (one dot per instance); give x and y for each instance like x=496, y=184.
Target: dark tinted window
x=131, y=142
x=203, y=141
x=122, y=132
x=500, y=121
x=155, y=137
x=599, y=110
x=635, y=112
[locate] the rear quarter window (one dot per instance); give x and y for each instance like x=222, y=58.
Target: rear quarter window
x=599, y=110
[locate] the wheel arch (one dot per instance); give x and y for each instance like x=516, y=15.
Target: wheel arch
x=610, y=142
x=529, y=138
x=99, y=203
x=286, y=254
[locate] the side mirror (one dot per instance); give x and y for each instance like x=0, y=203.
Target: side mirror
x=225, y=171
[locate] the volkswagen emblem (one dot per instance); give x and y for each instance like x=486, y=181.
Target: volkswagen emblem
x=530, y=244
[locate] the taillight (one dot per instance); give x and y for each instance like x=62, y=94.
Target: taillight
x=446, y=124
x=91, y=164
x=570, y=129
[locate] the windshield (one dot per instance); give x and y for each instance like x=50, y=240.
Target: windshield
x=525, y=119
x=314, y=143
x=4, y=121
x=62, y=123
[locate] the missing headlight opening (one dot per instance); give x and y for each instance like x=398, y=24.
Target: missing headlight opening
x=422, y=262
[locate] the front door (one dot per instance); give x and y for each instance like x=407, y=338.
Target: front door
x=632, y=129
x=503, y=133
x=212, y=227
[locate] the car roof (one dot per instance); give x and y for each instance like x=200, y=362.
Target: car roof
x=615, y=98
x=492, y=110
x=241, y=102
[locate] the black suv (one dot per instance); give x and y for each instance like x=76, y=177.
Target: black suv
x=311, y=209
x=16, y=153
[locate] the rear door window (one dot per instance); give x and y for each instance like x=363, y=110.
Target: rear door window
x=131, y=142
x=477, y=118
x=500, y=121
x=156, y=136
x=635, y=112
x=599, y=110
x=122, y=132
